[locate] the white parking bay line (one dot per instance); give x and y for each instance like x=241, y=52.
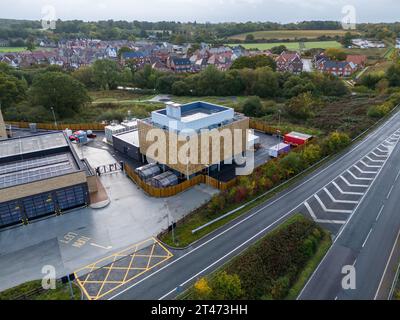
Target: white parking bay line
x=330, y=210
x=338, y=201
x=347, y=192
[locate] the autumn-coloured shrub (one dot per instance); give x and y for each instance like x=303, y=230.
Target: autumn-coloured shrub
x=269, y=268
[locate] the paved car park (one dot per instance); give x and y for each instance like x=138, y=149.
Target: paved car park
x=334, y=204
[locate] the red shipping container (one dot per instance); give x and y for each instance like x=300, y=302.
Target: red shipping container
x=296, y=138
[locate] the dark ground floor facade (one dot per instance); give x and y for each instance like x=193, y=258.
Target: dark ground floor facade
x=41, y=205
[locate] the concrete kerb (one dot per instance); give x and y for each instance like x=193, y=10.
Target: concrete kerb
x=101, y=204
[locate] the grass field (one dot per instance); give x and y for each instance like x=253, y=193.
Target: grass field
x=290, y=34
x=21, y=49
x=291, y=45
x=11, y=49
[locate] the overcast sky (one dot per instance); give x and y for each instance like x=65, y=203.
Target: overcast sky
x=203, y=10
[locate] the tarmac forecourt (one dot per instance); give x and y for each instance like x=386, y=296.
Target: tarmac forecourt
x=113, y=272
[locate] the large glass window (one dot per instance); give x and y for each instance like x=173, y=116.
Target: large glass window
x=10, y=213
x=38, y=206
x=71, y=197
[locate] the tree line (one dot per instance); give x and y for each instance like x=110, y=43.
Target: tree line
x=171, y=30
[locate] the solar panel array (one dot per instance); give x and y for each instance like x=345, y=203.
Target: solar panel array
x=26, y=171
x=31, y=144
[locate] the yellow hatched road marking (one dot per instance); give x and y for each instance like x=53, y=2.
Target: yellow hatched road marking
x=112, y=260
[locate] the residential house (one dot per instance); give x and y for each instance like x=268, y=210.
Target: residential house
x=358, y=60
x=180, y=65
x=289, y=62
x=337, y=68
x=4, y=43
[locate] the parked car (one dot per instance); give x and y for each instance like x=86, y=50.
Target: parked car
x=90, y=134
x=73, y=138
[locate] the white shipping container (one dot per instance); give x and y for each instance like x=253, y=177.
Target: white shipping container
x=279, y=149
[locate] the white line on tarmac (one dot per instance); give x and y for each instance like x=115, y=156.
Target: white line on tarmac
x=380, y=212
x=390, y=192
x=357, y=178
x=338, y=201
x=330, y=210
x=353, y=185
x=366, y=239
x=346, y=192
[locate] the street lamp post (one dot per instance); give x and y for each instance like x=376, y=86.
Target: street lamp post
x=54, y=117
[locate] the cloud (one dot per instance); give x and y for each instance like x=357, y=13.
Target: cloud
x=205, y=10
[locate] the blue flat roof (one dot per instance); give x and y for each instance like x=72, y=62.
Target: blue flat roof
x=197, y=107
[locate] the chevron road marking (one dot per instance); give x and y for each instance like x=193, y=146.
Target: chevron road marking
x=346, y=192
x=330, y=210
x=368, y=157
x=355, y=177
x=338, y=201
x=353, y=185
x=362, y=171
x=368, y=166
x=312, y=214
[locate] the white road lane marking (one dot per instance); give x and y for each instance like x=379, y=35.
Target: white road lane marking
x=378, y=155
x=397, y=177
x=353, y=185
x=369, y=158
x=346, y=192
x=357, y=178
x=310, y=211
x=368, y=165
x=390, y=192
x=362, y=171
x=366, y=239
x=330, y=210
x=338, y=201
x=380, y=212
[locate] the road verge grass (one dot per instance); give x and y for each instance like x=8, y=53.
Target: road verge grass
x=275, y=267
x=33, y=290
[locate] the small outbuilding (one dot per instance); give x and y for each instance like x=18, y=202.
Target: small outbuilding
x=148, y=171
x=297, y=138
x=164, y=180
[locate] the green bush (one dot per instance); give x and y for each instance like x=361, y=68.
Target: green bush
x=270, y=267
x=335, y=142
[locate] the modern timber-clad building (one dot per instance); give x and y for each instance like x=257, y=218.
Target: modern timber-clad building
x=194, y=119
x=40, y=175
